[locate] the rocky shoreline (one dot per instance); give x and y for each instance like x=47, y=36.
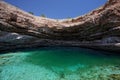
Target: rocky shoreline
x=99, y=29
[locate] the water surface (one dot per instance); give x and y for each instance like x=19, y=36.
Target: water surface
x=58, y=63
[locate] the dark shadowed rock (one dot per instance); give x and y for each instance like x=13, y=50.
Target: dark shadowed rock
x=99, y=29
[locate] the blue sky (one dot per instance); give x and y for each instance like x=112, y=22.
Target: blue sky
x=58, y=9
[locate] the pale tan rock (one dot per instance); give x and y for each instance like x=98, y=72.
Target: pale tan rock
x=98, y=29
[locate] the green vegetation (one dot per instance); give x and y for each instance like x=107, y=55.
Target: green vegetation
x=31, y=13
x=68, y=17
x=43, y=15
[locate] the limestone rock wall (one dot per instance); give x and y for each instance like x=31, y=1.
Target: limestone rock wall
x=101, y=26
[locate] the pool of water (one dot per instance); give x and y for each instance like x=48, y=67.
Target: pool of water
x=59, y=63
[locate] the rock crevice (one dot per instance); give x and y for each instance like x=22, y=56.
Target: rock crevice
x=97, y=29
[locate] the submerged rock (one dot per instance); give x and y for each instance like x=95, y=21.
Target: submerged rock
x=99, y=29
x=51, y=64
x=115, y=76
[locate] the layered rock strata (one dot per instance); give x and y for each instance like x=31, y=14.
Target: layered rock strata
x=99, y=29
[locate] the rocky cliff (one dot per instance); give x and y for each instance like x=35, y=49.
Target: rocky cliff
x=99, y=29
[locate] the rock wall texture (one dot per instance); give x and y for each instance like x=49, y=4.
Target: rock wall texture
x=99, y=29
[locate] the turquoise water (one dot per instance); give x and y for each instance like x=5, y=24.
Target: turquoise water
x=58, y=63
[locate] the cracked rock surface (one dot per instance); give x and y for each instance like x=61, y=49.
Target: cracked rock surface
x=99, y=29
